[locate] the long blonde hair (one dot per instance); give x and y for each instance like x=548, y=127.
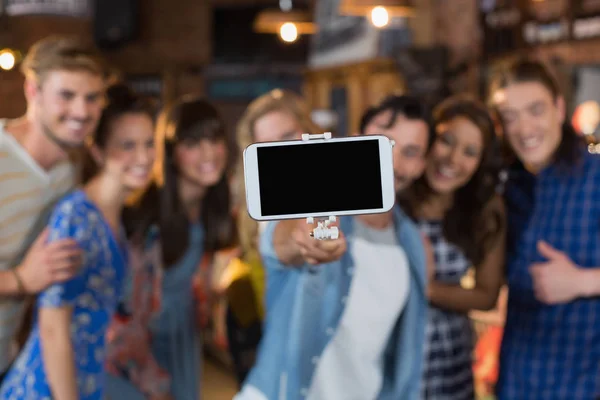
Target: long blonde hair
x=276, y=100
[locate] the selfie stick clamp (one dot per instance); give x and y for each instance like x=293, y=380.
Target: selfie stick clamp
x=323, y=231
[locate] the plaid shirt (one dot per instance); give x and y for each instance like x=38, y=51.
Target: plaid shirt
x=551, y=352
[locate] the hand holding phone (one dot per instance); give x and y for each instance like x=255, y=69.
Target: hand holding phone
x=317, y=251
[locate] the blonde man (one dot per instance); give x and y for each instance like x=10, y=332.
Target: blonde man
x=64, y=89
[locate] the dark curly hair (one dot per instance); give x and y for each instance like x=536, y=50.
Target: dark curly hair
x=470, y=223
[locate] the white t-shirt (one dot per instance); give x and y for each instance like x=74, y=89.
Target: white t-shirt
x=351, y=367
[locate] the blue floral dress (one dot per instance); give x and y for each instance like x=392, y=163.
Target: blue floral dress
x=93, y=294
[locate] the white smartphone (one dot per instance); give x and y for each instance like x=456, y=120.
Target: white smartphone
x=319, y=178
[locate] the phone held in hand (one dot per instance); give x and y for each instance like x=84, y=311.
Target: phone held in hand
x=319, y=178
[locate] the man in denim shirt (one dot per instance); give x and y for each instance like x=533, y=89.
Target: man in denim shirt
x=346, y=318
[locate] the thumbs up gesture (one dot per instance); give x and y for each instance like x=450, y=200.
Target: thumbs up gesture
x=557, y=280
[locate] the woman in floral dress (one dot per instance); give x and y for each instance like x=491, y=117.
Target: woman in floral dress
x=64, y=355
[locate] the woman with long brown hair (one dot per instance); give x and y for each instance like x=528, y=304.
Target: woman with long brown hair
x=455, y=204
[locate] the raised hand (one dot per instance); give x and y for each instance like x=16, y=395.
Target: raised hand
x=318, y=251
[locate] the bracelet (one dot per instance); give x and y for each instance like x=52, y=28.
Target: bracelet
x=20, y=284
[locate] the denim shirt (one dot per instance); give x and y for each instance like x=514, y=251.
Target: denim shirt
x=304, y=307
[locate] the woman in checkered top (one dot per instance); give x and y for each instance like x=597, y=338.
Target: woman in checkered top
x=456, y=207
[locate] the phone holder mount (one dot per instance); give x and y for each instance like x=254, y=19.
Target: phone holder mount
x=323, y=231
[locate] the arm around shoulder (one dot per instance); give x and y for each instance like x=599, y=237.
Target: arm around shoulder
x=9, y=284
x=489, y=273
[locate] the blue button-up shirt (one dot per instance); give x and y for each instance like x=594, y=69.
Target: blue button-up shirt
x=551, y=352
x=304, y=306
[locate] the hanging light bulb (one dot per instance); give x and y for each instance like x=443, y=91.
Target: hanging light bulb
x=379, y=16
x=392, y=8
x=7, y=60
x=288, y=32
x=273, y=21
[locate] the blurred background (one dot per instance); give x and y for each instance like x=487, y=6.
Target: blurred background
x=341, y=55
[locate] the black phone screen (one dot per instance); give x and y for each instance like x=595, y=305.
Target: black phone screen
x=319, y=177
